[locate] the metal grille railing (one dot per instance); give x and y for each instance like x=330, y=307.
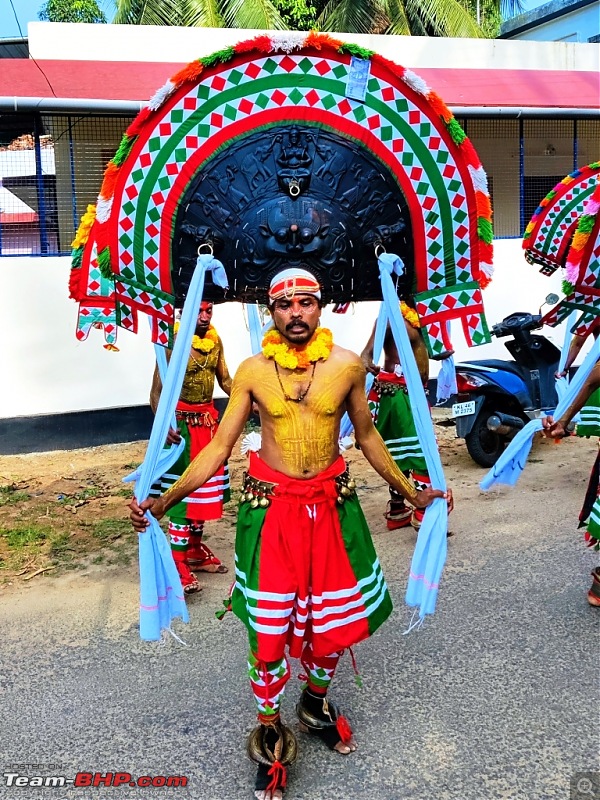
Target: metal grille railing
x=51, y=167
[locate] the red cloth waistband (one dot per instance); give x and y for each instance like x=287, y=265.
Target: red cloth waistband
x=322, y=486
x=197, y=408
x=391, y=377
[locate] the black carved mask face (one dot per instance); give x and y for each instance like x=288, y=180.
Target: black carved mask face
x=291, y=195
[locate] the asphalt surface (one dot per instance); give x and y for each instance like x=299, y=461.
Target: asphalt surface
x=496, y=697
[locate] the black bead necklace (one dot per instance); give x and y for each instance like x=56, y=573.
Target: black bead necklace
x=303, y=394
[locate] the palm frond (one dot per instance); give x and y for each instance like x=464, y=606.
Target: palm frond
x=149, y=12
x=259, y=14
x=203, y=14
x=443, y=18
x=354, y=16
x=399, y=23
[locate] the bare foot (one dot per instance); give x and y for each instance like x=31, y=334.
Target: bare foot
x=264, y=794
x=345, y=748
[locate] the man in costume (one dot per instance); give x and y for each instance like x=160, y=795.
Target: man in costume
x=393, y=417
x=590, y=412
x=307, y=575
x=196, y=418
x=589, y=516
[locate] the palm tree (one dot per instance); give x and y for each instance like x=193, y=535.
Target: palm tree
x=407, y=17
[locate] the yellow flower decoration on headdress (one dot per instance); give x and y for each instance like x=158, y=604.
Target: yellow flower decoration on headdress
x=289, y=357
x=205, y=343
x=410, y=315
x=83, y=231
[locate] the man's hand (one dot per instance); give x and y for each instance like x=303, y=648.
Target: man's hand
x=137, y=512
x=562, y=374
x=552, y=429
x=370, y=365
x=173, y=436
x=426, y=496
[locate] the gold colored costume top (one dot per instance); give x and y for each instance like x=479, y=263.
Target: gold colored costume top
x=199, y=381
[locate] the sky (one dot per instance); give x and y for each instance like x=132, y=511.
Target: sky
x=27, y=11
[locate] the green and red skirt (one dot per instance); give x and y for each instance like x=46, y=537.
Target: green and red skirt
x=306, y=569
x=393, y=418
x=197, y=424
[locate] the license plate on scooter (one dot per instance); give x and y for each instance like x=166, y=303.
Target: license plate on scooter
x=463, y=409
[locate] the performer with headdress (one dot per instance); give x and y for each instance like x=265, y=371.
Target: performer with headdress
x=589, y=424
x=307, y=575
x=589, y=517
x=393, y=416
x=197, y=422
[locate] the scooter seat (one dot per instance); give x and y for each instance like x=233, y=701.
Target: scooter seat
x=496, y=363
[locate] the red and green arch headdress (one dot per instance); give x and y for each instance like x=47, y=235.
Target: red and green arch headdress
x=295, y=147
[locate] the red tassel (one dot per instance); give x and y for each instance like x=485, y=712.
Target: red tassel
x=261, y=43
x=395, y=69
x=470, y=154
x=279, y=777
x=344, y=729
x=138, y=123
x=75, y=284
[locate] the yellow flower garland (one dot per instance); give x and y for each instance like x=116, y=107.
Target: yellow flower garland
x=85, y=226
x=206, y=343
x=289, y=357
x=410, y=315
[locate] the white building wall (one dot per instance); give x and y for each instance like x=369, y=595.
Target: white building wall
x=577, y=26
x=53, y=40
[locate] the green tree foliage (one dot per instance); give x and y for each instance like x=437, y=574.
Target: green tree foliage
x=71, y=11
x=407, y=17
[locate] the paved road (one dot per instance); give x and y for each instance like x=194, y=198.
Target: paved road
x=495, y=698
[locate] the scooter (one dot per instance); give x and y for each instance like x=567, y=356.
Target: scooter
x=496, y=398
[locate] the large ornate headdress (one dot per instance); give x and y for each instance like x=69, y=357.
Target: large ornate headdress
x=289, y=149
x=565, y=232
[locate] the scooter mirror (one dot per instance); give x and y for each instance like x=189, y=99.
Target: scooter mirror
x=551, y=299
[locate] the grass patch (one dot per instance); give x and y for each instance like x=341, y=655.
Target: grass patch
x=10, y=494
x=108, y=529
x=124, y=491
x=24, y=535
x=60, y=546
x=85, y=494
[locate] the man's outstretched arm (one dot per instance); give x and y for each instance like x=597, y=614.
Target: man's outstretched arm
x=556, y=430
x=207, y=462
x=377, y=453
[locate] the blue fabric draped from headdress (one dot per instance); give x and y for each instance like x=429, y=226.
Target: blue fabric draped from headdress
x=161, y=593
x=562, y=383
x=430, y=550
x=510, y=465
x=346, y=426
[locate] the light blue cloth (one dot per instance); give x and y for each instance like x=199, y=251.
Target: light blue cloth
x=161, y=593
x=255, y=328
x=346, y=427
x=510, y=465
x=169, y=454
x=430, y=551
x=562, y=384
